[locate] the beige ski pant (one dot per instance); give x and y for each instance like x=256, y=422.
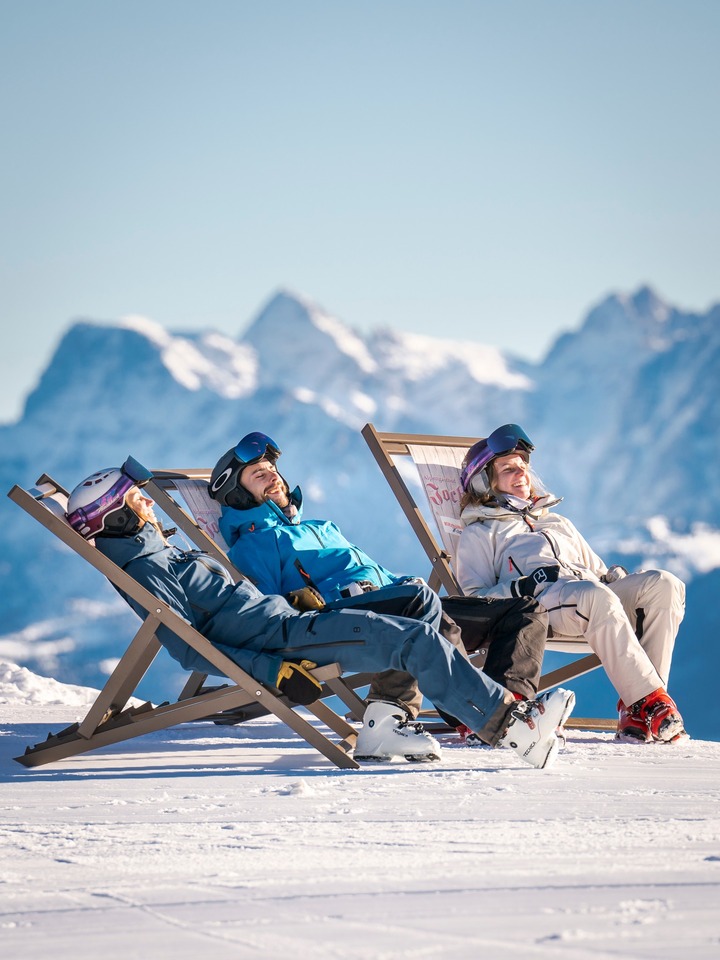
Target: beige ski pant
x=651, y=603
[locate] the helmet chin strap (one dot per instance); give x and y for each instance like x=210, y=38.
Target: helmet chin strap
x=123, y=522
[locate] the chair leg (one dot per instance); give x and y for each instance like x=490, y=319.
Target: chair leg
x=355, y=704
x=193, y=686
x=122, y=682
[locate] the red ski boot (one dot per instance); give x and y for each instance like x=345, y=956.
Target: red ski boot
x=659, y=716
x=630, y=730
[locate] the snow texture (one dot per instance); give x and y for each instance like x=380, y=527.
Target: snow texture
x=242, y=842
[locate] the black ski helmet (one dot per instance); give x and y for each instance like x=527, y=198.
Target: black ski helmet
x=225, y=486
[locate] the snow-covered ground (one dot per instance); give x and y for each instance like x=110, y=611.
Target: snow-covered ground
x=243, y=842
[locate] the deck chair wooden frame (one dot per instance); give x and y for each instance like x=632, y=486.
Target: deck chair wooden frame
x=387, y=446
x=109, y=719
x=200, y=525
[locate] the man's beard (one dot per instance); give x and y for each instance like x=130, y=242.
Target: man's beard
x=280, y=498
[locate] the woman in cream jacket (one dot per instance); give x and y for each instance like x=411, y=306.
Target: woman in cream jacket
x=514, y=544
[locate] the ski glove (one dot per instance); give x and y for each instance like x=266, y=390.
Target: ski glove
x=616, y=572
x=526, y=586
x=356, y=588
x=306, y=598
x=298, y=685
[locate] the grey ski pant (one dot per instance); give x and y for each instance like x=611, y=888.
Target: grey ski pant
x=361, y=640
x=417, y=601
x=509, y=635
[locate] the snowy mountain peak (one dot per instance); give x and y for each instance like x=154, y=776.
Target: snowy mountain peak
x=621, y=331
x=417, y=357
x=143, y=326
x=642, y=314
x=139, y=356
x=648, y=305
x=207, y=360
x=290, y=322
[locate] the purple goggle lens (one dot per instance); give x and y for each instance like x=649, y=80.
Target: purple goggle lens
x=86, y=516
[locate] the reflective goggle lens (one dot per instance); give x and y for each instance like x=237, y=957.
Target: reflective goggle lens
x=136, y=471
x=507, y=438
x=255, y=446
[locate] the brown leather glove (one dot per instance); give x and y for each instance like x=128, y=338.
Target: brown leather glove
x=306, y=598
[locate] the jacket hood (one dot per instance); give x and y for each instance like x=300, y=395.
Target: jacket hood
x=234, y=523
x=502, y=510
x=122, y=550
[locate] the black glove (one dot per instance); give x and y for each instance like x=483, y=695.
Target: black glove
x=297, y=684
x=526, y=586
x=306, y=598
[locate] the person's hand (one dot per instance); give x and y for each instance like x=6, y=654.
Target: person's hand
x=528, y=586
x=613, y=573
x=306, y=598
x=416, y=581
x=298, y=685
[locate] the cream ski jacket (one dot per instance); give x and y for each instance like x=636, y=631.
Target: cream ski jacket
x=500, y=544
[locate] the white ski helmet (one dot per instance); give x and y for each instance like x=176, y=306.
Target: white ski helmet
x=97, y=508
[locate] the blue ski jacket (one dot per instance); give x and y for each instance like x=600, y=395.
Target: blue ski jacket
x=235, y=617
x=273, y=549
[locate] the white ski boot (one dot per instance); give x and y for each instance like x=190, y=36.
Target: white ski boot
x=558, y=705
x=532, y=733
x=388, y=732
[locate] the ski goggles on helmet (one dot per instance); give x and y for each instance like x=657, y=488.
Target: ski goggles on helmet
x=225, y=484
x=105, y=511
x=139, y=474
x=502, y=441
x=254, y=447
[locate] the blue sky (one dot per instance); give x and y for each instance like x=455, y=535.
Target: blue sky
x=480, y=170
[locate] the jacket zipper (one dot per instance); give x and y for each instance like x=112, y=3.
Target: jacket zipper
x=562, y=563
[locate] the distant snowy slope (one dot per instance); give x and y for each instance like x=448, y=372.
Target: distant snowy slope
x=301, y=348
x=627, y=408
x=432, y=385
x=21, y=687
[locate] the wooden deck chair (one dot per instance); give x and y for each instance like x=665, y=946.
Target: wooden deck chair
x=109, y=720
x=201, y=526
x=438, y=461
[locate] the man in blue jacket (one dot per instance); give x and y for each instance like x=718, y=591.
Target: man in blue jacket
x=278, y=645
x=315, y=567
